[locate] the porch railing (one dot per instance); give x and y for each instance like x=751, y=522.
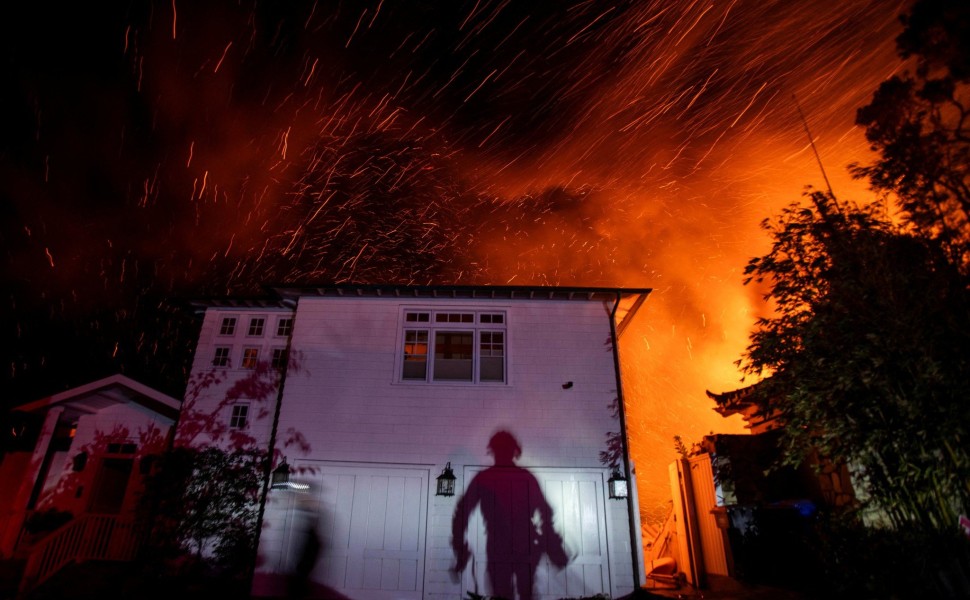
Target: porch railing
x=88, y=537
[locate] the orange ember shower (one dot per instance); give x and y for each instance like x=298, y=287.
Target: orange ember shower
x=597, y=144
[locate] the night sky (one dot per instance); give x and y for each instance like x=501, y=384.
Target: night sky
x=156, y=151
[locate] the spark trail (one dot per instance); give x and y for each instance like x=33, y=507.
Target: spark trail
x=209, y=148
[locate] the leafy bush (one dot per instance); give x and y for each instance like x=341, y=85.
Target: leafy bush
x=866, y=562
x=204, y=503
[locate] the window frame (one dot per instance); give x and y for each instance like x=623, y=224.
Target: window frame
x=257, y=324
x=425, y=327
x=250, y=358
x=220, y=359
x=279, y=357
x=284, y=323
x=239, y=411
x=227, y=328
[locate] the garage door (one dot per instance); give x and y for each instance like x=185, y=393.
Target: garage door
x=578, y=510
x=372, y=523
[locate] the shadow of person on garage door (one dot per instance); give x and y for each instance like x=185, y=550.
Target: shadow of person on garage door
x=518, y=523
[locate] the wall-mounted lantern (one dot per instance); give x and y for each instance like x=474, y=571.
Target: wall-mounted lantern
x=281, y=476
x=446, y=482
x=617, y=485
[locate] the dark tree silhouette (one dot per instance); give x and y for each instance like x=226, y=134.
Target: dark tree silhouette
x=868, y=351
x=918, y=124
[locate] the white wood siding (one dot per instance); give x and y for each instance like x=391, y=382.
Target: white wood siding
x=344, y=402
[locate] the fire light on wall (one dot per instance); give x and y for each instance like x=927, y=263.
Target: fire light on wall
x=446, y=482
x=617, y=485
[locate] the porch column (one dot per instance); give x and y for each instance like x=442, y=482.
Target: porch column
x=21, y=494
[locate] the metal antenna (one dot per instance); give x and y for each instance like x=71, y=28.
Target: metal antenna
x=811, y=141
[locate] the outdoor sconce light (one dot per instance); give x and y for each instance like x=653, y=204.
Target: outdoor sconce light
x=281, y=476
x=618, y=486
x=446, y=482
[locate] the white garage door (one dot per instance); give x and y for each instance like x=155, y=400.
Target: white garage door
x=373, y=530
x=577, y=504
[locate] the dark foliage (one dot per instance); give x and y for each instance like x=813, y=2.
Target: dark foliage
x=918, y=124
x=200, y=507
x=868, y=350
x=44, y=521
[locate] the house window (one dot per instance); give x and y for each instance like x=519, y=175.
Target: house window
x=279, y=358
x=122, y=448
x=491, y=356
x=256, y=325
x=415, y=355
x=239, y=419
x=228, y=326
x=284, y=327
x=250, y=357
x=221, y=358
x=454, y=346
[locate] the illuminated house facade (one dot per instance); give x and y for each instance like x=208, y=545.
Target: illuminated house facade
x=372, y=394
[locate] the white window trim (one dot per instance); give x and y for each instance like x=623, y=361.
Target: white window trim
x=272, y=357
x=249, y=326
x=431, y=326
x=232, y=416
x=242, y=357
x=276, y=331
x=228, y=357
x=219, y=325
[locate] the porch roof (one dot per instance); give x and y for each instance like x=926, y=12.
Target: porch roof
x=97, y=395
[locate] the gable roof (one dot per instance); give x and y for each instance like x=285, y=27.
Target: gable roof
x=97, y=395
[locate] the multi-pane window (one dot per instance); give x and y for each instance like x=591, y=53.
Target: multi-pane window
x=221, y=357
x=454, y=346
x=279, y=358
x=228, y=326
x=284, y=327
x=250, y=358
x=415, y=355
x=491, y=356
x=256, y=325
x=239, y=418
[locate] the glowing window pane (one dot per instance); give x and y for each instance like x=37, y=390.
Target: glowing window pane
x=415, y=355
x=250, y=357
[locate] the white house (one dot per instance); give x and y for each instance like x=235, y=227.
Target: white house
x=372, y=394
x=80, y=455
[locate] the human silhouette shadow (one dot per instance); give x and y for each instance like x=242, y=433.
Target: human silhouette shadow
x=518, y=523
